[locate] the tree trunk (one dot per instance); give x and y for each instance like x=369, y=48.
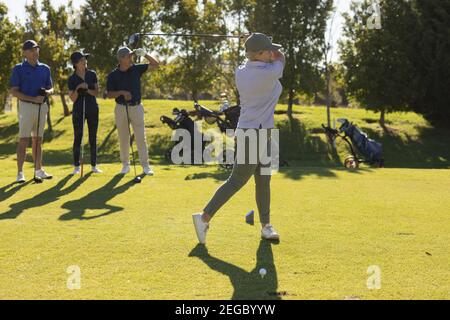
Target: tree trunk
x=382, y=118
x=290, y=101
x=64, y=103
x=328, y=95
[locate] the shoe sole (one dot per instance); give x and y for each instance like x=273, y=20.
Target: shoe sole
x=271, y=239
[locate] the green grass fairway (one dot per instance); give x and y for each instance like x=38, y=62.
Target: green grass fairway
x=138, y=242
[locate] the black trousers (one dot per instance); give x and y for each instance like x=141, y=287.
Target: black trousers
x=91, y=117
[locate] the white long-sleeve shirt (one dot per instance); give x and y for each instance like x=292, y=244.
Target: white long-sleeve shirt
x=259, y=89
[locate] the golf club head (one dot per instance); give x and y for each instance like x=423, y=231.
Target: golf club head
x=250, y=218
x=137, y=180
x=38, y=180
x=134, y=40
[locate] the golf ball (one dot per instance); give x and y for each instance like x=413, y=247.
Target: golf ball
x=262, y=272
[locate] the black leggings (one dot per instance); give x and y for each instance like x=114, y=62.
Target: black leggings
x=92, y=124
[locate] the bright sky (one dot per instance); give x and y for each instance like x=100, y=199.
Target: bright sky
x=16, y=9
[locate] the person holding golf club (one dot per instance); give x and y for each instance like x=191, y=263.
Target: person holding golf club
x=259, y=87
x=124, y=85
x=83, y=90
x=31, y=83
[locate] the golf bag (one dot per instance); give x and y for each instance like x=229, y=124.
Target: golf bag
x=228, y=119
x=371, y=150
x=225, y=120
x=182, y=120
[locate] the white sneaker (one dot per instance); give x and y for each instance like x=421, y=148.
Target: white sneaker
x=43, y=175
x=201, y=228
x=76, y=170
x=95, y=169
x=125, y=169
x=148, y=171
x=20, y=177
x=269, y=233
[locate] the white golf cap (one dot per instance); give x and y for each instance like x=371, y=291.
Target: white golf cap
x=123, y=52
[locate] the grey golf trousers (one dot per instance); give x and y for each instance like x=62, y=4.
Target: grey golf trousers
x=239, y=177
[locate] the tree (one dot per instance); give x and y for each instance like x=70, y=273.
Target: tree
x=10, y=51
x=199, y=67
x=379, y=68
x=300, y=27
x=107, y=24
x=52, y=35
x=431, y=58
x=58, y=47
x=232, y=52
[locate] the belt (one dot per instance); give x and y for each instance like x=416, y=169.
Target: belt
x=37, y=104
x=131, y=104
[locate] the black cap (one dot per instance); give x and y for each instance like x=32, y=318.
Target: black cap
x=29, y=44
x=77, y=56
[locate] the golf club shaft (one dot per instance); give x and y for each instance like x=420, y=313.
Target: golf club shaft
x=201, y=35
x=82, y=137
x=37, y=141
x=131, y=141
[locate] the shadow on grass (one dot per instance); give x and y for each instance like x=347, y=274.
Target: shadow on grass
x=297, y=144
x=96, y=200
x=10, y=139
x=429, y=150
x=220, y=174
x=9, y=190
x=246, y=285
x=42, y=199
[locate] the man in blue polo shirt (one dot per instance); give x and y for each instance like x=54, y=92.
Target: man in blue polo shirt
x=124, y=85
x=30, y=82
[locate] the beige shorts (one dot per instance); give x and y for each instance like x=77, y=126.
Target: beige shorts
x=28, y=119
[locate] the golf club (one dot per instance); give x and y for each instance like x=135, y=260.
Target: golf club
x=35, y=178
x=43, y=93
x=135, y=38
x=136, y=178
x=82, y=135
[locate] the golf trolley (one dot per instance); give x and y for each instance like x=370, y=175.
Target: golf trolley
x=356, y=139
x=184, y=121
x=227, y=119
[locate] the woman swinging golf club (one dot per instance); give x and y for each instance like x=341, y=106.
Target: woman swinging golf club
x=124, y=85
x=31, y=83
x=259, y=87
x=83, y=89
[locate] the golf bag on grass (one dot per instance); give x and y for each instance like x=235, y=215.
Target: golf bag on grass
x=371, y=150
x=182, y=120
x=226, y=120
